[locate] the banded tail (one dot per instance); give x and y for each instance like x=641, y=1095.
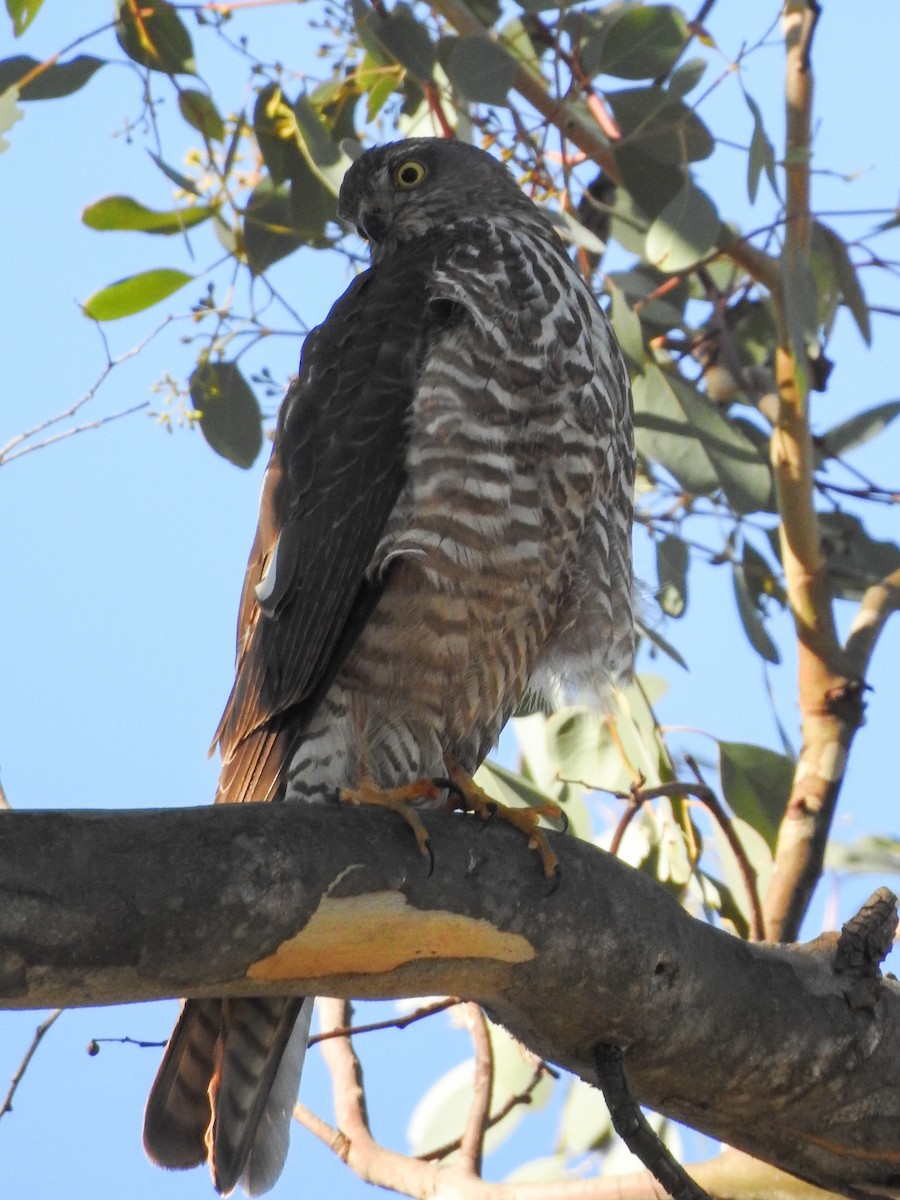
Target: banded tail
x=226, y=1088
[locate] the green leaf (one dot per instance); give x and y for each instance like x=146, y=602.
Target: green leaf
x=854, y=559
x=751, y=618
x=743, y=472
x=152, y=35
x=661, y=307
x=441, y=1113
x=664, y=435
x=483, y=71
x=647, y=187
x=855, y=431
x=659, y=642
x=9, y=114
x=585, y=1123
x=121, y=212
x=201, y=114
x=60, y=79
x=627, y=328
x=182, y=181
x=684, y=432
x=134, y=294
x=549, y=1169
x=762, y=154
x=230, y=419
x=661, y=125
x=381, y=90
x=405, y=39
x=312, y=206
x=848, y=280
x=22, y=13
x=869, y=855
x=686, y=77
x=672, y=557
x=756, y=782
x=269, y=232
x=641, y=42
x=323, y=155
x=507, y=787
x=684, y=232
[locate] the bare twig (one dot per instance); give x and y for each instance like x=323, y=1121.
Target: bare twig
x=419, y=1014
x=16, y=447
x=708, y=798
x=471, y=1146
x=518, y=1098
x=44, y=1026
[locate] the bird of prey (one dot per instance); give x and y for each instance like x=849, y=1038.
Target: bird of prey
x=445, y=522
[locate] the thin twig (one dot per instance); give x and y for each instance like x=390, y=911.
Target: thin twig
x=471, y=1145
x=513, y=1101
x=6, y=1106
x=419, y=1014
x=707, y=797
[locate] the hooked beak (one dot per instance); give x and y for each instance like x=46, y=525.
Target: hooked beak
x=371, y=224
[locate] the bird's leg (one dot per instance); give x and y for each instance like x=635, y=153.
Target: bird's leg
x=398, y=800
x=465, y=791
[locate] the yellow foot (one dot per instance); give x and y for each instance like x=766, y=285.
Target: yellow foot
x=478, y=801
x=398, y=800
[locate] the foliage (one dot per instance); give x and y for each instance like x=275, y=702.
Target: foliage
x=606, y=113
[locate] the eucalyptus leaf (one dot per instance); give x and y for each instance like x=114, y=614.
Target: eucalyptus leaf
x=859, y=429
x=848, y=280
x=672, y=558
x=152, y=35
x=323, y=155
x=761, y=156
x=134, y=293
x=585, y=1123
x=200, y=112
x=660, y=125
x=627, y=328
x=641, y=42
x=230, y=419
x=124, y=213
x=269, y=231
x=756, y=783
x=481, y=69
x=22, y=13
x=405, y=39
x=58, y=79
x=751, y=617
x=685, y=232
x=854, y=559
x=869, y=855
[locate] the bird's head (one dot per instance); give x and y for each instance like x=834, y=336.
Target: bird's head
x=404, y=190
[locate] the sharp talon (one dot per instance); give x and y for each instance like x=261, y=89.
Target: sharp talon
x=554, y=882
x=398, y=800
x=430, y=853
x=454, y=791
x=564, y=821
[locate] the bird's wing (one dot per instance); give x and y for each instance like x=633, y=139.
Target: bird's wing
x=337, y=468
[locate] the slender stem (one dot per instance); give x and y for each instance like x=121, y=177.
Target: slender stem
x=471, y=1146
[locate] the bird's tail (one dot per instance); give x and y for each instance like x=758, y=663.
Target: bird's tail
x=226, y=1088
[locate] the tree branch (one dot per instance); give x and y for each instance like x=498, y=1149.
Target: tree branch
x=756, y=1045
x=830, y=699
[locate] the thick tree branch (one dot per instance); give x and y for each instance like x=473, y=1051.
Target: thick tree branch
x=757, y=1045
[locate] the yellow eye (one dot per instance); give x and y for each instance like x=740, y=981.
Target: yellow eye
x=409, y=174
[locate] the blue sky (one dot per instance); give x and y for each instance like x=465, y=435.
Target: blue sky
x=123, y=551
